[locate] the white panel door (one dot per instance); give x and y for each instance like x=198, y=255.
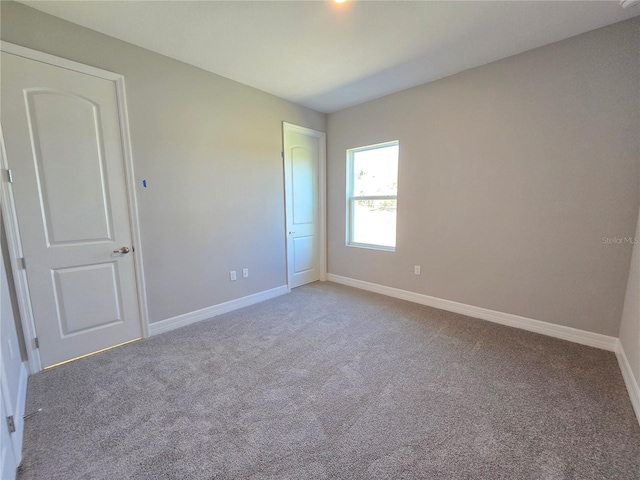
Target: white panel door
x=8, y=462
x=302, y=150
x=64, y=147
x=13, y=375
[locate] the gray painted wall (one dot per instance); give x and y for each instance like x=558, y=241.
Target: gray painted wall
x=510, y=176
x=630, y=325
x=209, y=149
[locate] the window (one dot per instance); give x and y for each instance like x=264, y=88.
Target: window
x=372, y=195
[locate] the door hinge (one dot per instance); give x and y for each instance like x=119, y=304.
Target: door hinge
x=10, y=176
x=23, y=263
x=36, y=342
x=11, y=424
x=282, y=154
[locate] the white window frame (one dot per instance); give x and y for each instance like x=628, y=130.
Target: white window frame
x=351, y=199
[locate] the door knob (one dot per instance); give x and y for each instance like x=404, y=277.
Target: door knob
x=122, y=250
x=291, y=233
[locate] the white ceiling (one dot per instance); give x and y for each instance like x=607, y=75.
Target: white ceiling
x=329, y=56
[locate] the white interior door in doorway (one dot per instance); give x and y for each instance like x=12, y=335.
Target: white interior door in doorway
x=304, y=166
x=64, y=146
x=8, y=460
x=13, y=382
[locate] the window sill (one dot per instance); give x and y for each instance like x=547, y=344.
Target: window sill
x=371, y=247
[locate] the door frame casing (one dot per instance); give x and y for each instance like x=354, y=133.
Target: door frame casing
x=322, y=197
x=10, y=217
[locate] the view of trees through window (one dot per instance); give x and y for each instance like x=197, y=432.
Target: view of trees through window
x=373, y=191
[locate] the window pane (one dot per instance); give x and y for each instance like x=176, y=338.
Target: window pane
x=374, y=222
x=375, y=172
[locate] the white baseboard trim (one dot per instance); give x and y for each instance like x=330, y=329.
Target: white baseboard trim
x=185, y=319
x=575, y=335
x=629, y=379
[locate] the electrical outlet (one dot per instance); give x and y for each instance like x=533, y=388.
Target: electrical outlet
x=416, y=269
x=232, y=276
x=245, y=273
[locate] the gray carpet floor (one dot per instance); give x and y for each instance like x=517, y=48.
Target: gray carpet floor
x=333, y=382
